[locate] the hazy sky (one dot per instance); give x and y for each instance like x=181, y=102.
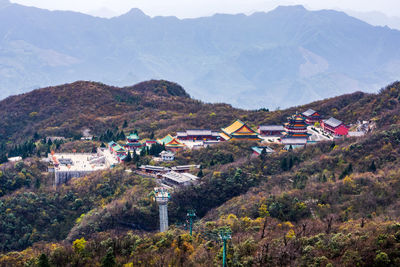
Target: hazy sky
x=197, y=8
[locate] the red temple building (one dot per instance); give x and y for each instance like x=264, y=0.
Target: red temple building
x=198, y=135
x=335, y=127
x=311, y=116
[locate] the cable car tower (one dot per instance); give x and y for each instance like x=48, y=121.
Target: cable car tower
x=162, y=196
x=191, y=214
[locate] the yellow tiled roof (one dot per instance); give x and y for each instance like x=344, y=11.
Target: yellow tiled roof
x=233, y=127
x=223, y=135
x=238, y=128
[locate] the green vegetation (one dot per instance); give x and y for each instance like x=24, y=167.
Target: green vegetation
x=330, y=204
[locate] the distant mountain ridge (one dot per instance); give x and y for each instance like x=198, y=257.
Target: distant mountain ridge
x=285, y=57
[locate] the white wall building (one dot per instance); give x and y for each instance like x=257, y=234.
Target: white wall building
x=167, y=156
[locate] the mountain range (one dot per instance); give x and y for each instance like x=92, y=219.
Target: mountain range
x=285, y=57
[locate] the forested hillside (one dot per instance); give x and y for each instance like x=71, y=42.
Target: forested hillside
x=154, y=106
x=330, y=204
x=157, y=107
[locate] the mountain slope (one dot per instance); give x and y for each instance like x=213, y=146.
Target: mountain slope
x=154, y=106
x=285, y=57
x=330, y=203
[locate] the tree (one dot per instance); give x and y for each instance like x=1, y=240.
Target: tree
x=263, y=154
x=3, y=158
x=109, y=259
x=136, y=157
x=79, y=245
x=128, y=157
x=290, y=163
x=382, y=259
x=121, y=136
x=125, y=124
x=284, y=165
x=200, y=173
x=43, y=261
x=372, y=167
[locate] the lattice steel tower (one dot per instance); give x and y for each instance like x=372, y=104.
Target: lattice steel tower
x=162, y=196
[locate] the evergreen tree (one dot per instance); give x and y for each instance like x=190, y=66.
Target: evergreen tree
x=109, y=259
x=121, y=136
x=37, y=183
x=102, y=145
x=3, y=158
x=263, y=154
x=372, y=167
x=128, y=157
x=43, y=261
x=152, y=135
x=136, y=157
x=348, y=170
x=125, y=124
x=200, y=173
x=333, y=145
x=290, y=163
x=284, y=165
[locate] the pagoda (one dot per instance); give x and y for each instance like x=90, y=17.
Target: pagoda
x=295, y=131
x=239, y=130
x=132, y=142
